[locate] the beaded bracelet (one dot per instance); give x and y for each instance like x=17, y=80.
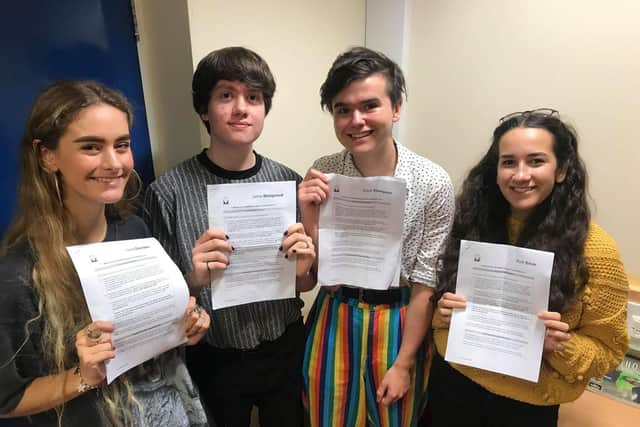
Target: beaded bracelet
x=83, y=386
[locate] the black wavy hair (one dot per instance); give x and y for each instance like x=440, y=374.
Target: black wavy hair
x=359, y=63
x=233, y=63
x=559, y=224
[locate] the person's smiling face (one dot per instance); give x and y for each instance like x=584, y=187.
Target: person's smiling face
x=93, y=156
x=363, y=115
x=527, y=168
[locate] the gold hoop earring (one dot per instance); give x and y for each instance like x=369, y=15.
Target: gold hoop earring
x=55, y=182
x=138, y=190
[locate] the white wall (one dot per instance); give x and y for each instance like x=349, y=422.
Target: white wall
x=388, y=30
x=299, y=39
x=164, y=50
x=471, y=62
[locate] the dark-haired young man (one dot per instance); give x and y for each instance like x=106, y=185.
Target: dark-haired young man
x=253, y=352
x=365, y=351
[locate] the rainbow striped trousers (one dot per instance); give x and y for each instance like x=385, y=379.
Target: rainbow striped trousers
x=349, y=347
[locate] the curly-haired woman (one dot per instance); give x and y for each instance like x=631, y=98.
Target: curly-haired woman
x=529, y=190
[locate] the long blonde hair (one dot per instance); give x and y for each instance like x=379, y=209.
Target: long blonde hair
x=46, y=225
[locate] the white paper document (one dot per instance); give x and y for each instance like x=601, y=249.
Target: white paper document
x=505, y=288
x=360, y=232
x=136, y=286
x=254, y=216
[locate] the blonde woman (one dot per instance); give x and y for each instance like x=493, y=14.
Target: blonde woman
x=76, y=187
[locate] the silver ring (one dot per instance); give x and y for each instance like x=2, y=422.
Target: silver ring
x=93, y=334
x=198, y=309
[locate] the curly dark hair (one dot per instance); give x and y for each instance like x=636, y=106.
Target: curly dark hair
x=359, y=63
x=559, y=224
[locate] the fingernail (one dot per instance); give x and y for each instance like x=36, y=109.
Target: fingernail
x=232, y=248
x=286, y=256
x=280, y=248
x=286, y=232
x=294, y=251
x=226, y=237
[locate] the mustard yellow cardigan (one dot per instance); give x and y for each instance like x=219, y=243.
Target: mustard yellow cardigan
x=598, y=328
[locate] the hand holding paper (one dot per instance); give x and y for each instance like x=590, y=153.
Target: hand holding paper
x=196, y=322
x=255, y=217
x=556, y=333
x=136, y=286
x=94, y=352
x=210, y=254
x=505, y=288
x=297, y=244
x=449, y=302
x=312, y=193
